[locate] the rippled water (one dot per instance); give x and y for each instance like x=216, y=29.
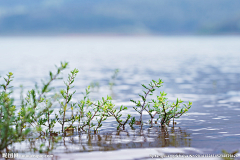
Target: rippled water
x=204, y=70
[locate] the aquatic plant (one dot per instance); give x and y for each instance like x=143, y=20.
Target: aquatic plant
x=94, y=85
x=160, y=106
x=67, y=98
x=36, y=109
x=116, y=114
x=142, y=106
x=113, y=78
x=13, y=124
x=10, y=130
x=31, y=100
x=46, y=121
x=91, y=111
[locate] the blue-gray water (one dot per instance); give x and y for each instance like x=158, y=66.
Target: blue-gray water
x=204, y=70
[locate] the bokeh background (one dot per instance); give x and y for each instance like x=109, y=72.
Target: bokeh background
x=165, y=17
x=192, y=45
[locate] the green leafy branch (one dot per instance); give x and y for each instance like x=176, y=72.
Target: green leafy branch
x=8, y=133
x=149, y=91
x=116, y=114
x=98, y=111
x=67, y=96
x=160, y=106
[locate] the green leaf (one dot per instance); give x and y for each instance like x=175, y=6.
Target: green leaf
x=133, y=101
x=144, y=87
x=142, y=98
x=51, y=75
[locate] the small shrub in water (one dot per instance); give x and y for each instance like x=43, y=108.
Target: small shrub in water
x=90, y=115
x=67, y=98
x=160, y=106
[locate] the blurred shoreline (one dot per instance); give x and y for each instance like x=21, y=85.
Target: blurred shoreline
x=119, y=35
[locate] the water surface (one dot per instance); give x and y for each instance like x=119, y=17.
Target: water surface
x=204, y=70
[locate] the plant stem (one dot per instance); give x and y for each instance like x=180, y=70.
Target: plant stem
x=48, y=122
x=66, y=102
x=39, y=98
x=144, y=103
x=165, y=115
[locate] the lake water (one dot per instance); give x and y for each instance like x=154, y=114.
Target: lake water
x=204, y=70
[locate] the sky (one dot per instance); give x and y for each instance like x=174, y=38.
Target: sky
x=164, y=17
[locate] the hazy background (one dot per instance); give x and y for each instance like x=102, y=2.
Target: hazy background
x=164, y=17
x=36, y=34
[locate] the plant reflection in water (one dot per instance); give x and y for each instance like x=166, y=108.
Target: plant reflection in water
x=151, y=137
x=106, y=141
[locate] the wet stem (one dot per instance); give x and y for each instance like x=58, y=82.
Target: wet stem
x=99, y=122
x=165, y=115
x=49, y=126
x=120, y=123
x=98, y=107
x=152, y=116
x=5, y=89
x=44, y=90
x=104, y=109
x=66, y=102
x=6, y=131
x=144, y=101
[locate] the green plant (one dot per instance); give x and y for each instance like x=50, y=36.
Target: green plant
x=43, y=144
x=113, y=78
x=90, y=110
x=116, y=114
x=132, y=122
x=95, y=85
x=46, y=117
x=11, y=130
x=160, y=106
x=141, y=106
x=67, y=98
x=13, y=125
x=82, y=105
x=37, y=97
x=167, y=112
x=101, y=111
x=36, y=109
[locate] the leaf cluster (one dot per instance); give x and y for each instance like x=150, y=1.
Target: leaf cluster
x=160, y=106
x=36, y=109
x=13, y=124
